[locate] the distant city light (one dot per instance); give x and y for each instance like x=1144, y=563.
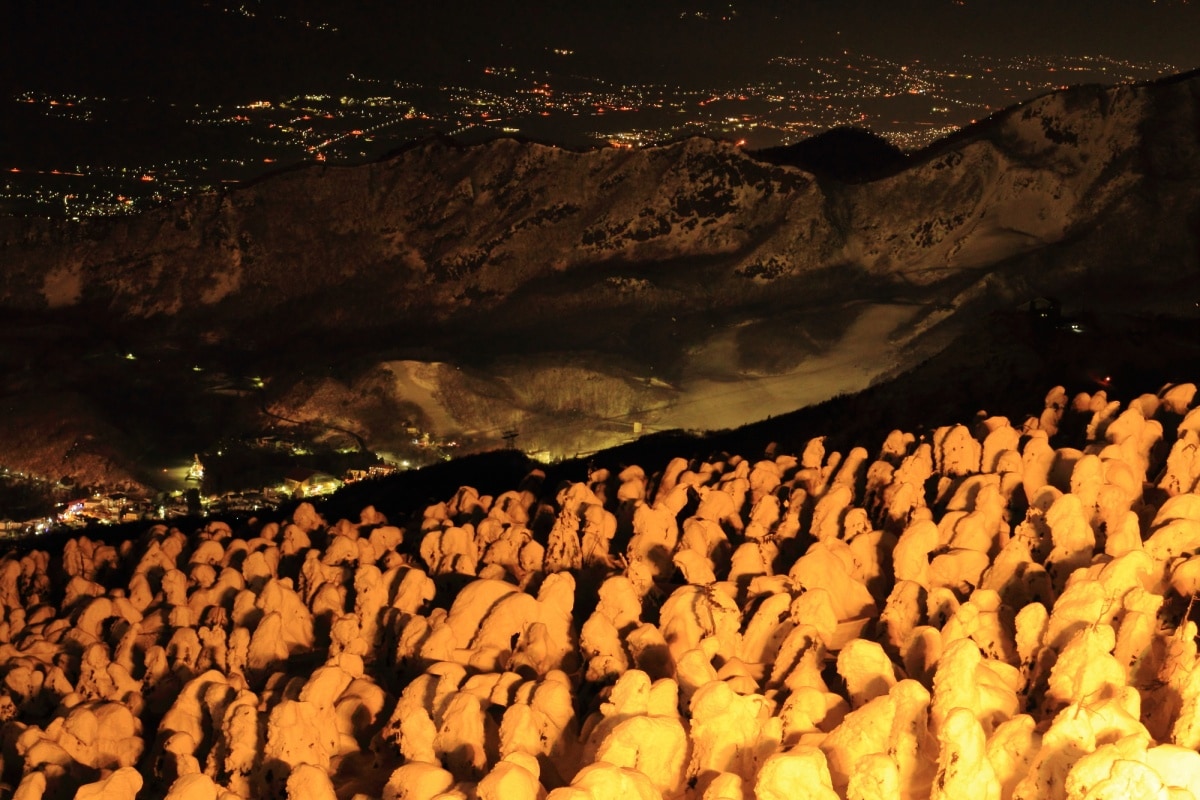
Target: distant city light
x=909, y=103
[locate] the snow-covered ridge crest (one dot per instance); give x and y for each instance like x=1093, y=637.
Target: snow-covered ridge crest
x=1089, y=173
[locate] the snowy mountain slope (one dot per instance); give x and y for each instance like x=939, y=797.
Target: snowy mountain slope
x=439, y=231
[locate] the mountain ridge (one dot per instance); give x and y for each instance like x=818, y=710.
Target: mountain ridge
x=440, y=228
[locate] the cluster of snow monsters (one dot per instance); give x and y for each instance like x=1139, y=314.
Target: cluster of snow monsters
x=974, y=613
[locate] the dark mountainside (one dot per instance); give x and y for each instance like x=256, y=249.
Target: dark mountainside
x=356, y=293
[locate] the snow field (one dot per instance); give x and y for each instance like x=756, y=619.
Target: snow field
x=984, y=611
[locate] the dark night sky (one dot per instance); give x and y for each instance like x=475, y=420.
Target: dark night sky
x=151, y=64
x=136, y=46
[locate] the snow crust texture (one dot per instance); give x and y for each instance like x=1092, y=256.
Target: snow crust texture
x=985, y=610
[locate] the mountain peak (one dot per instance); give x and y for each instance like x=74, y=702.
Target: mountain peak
x=848, y=154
